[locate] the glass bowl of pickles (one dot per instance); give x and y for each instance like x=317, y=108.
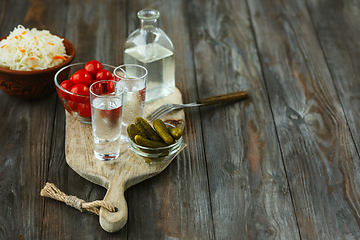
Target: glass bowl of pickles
x=158, y=143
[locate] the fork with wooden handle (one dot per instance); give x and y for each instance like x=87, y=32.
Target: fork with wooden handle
x=166, y=108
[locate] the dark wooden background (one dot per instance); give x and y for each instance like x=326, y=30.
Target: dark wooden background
x=284, y=164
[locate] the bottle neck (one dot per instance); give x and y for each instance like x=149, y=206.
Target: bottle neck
x=145, y=24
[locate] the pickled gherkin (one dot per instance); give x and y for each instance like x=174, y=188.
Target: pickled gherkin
x=146, y=128
x=163, y=132
x=148, y=143
x=133, y=130
x=155, y=146
x=142, y=133
x=176, y=132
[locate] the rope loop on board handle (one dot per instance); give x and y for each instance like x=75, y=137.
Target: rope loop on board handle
x=51, y=191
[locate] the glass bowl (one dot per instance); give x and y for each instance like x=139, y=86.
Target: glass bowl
x=157, y=155
x=77, y=105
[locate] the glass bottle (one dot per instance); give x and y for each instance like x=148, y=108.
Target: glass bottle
x=150, y=47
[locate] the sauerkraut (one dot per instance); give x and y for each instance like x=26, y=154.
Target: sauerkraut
x=29, y=50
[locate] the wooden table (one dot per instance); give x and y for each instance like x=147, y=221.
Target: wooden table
x=284, y=164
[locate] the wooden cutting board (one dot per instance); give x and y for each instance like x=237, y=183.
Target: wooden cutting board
x=115, y=175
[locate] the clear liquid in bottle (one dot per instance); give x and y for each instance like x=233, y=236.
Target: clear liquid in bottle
x=159, y=61
x=150, y=47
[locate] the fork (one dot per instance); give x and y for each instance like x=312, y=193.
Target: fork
x=166, y=108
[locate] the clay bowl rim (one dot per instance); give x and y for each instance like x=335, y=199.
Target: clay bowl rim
x=71, y=65
x=69, y=47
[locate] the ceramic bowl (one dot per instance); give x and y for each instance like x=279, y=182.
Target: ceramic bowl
x=77, y=105
x=157, y=155
x=33, y=84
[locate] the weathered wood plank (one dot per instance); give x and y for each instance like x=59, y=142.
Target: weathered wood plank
x=317, y=147
x=23, y=164
x=248, y=186
x=3, y=8
x=337, y=25
x=97, y=29
x=25, y=147
x=176, y=203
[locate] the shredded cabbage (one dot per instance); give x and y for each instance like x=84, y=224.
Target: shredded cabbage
x=28, y=50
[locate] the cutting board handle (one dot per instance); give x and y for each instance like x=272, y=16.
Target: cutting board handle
x=114, y=221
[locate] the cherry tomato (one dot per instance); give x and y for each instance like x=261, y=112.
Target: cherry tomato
x=103, y=74
x=80, y=89
x=84, y=109
x=141, y=95
x=67, y=85
x=97, y=88
x=118, y=77
x=81, y=77
x=111, y=115
x=93, y=67
x=93, y=81
x=72, y=105
x=110, y=87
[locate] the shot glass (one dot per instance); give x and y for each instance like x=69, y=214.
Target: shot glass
x=133, y=79
x=106, y=116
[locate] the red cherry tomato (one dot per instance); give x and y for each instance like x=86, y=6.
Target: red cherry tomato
x=103, y=74
x=67, y=85
x=141, y=95
x=72, y=105
x=110, y=86
x=93, y=67
x=93, y=81
x=81, y=77
x=80, y=89
x=84, y=109
x=118, y=78
x=111, y=115
x=97, y=88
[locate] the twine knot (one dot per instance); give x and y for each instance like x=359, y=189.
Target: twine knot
x=51, y=191
x=74, y=202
